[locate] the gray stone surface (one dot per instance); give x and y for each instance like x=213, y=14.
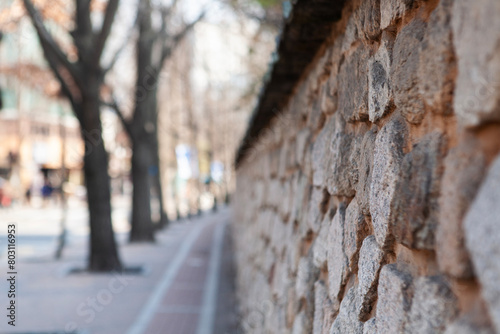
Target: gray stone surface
x=320, y=243
x=394, y=300
x=482, y=224
x=318, y=205
x=380, y=99
x=418, y=193
x=347, y=322
x=463, y=326
x=337, y=260
x=338, y=179
x=370, y=261
x=321, y=157
x=477, y=44
x=302, y=324
x=393, y=10
x=370, y=326
x=307, y=274
x=301, y=145
x=388, y=155
x=324, y=309
x=355, y=230
x=464, y=169
x=437, y=65
x=353, y=86
x=365, y=171
x=367, y=18
x=404, y=71
x=433, y=306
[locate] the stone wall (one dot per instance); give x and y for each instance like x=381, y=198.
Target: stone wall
x=372, y=202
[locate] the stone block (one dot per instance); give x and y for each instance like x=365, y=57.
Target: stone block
x=324, y=309
x=338, y=180
x=481, y=224
x=347, y=322
x=388, y=155
x=320, y=243
x=393, y=10
x=355, y=230
x=353, y=85
x=437, y=65
x=404, y=71
x=477, y=45
x=380, y=98
x=318, y=205
x=337, y=260
x=365, y=171
x=370, y=326
x=433, y=307
x=370, y=262
x=463, y=326
x=394, y=300
x=418, y=192
x=321, y=157
x=302, y=324
x=464, y=169
x=367, y=19
x=307, y=274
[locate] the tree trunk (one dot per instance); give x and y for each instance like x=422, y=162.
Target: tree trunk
x=142, y=226
x=103, y=252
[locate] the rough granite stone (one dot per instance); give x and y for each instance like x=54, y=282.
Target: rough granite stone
x=394, y=300
x=353, y=86
x=320, y=244
x=463, y=326
x=307, y=274
x=477, y=44
x=418, y=192
x=380, y=98
x=370, y=326
x=347, y=322
x=388, y=155
x=302, y=324
x=367, y=19
x=321, y=156
x=437, y=65
x=365, y=171
x=481, y=224
x=337, y=260
x=324, y=309
x=318, y=205
x=393, y=10
x=338, y=179
x=404, y=71
x=370, y=261
x=355, y=230
x=301, y=144
x=433, y=306
x=464, y=169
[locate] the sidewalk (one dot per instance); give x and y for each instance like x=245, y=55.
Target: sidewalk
x=182, y=291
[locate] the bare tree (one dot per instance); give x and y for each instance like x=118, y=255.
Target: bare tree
x=154, y=46
x=81, y=82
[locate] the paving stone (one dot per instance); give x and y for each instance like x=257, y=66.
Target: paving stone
x=437, y=65
x=380, y=99
x=481, y=224
x=337, y=260
x=365, y=171
x=433, y=306
x=404, y=71
x=388, y=155
x=464, y=169
x=338, y=180
x=370, y=261
x=355, y=230
x=321, y=156
x=418, y=192
x=353, y=86
x=394, y=300
x=393, y=10
x=347, y=322
x=367, y=18
x=370, y=326
x=477, y=45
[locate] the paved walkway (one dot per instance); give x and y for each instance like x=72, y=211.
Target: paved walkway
x=188, y=287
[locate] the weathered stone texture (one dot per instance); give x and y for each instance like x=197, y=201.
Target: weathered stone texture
x=483, y=240
x=355, y=231
x=394, y=300
x=477, y=44
x=347, y=322
x=388, y=155
x=464, y=169
x=365, y=171
x=337, y=260
x=367, y=18
x=394, y=10
x=416, y=203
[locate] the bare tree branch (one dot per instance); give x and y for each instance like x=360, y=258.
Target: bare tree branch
x=169, y=47
x=113, y=104
x=120, y=49
x=109, y=17
x=49, y=45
